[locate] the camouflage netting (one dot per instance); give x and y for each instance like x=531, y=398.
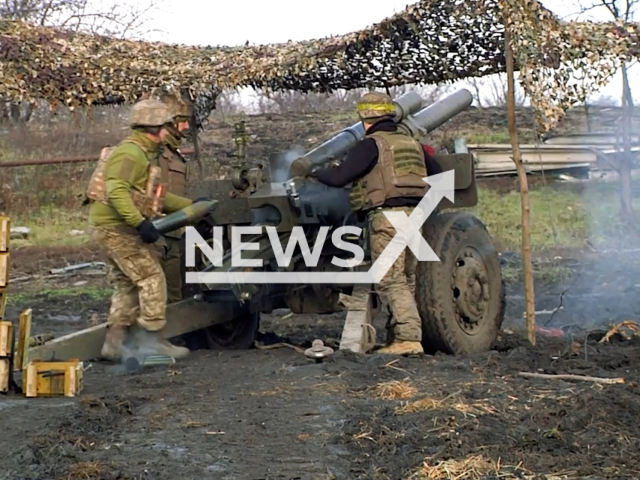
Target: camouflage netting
x=431, y=42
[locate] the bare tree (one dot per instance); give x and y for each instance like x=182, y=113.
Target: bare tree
x=491, y=91
x=621, y=10
x=114, y=18
x=340, y=100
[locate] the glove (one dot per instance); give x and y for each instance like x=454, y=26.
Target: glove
x=148, y=232
x=300, y=167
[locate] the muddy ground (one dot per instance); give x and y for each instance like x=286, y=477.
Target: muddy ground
x=273, y=414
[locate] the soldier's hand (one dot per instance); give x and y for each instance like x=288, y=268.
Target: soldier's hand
x=148, y=232
x=299, y=167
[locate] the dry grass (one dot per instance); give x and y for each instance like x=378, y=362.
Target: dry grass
x=395, y=390
x=471, y=468
x=84, y=471
x=448, y=403
x=627, y=329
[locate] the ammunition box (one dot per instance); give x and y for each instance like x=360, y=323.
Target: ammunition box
x=4, y=270
x=6, y=339
x=53, y=379
x=5, y=233
x=5, y=374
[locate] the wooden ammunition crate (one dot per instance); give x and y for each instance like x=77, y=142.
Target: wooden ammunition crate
x=5, y=374
x=6, y=339
x=5, y=233
x=53, y=379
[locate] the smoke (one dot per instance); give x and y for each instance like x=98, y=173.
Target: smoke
x=281, y=162
x=587, y=274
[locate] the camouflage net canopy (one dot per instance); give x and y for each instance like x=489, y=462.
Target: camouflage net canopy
x=430, y=42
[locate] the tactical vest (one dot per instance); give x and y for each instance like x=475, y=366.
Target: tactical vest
x=174, y=175
x=149, y=203
x=399, y=172
x=174, y=171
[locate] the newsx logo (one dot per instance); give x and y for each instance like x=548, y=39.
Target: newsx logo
x=408, y=234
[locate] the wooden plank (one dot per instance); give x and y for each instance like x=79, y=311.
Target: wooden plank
x=4, y=270
x=5, y=374
x=358, y=334
x=3, y=302
x=24, y=333
x=6, y=338
x=5, y=234
x=182, y=317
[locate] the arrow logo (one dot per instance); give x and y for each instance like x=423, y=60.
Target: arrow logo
x=408, y=228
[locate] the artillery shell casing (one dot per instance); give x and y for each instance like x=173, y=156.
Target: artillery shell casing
x=183, y=217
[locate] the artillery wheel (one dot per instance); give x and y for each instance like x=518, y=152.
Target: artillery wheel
x=237, y=334
x=461, y=299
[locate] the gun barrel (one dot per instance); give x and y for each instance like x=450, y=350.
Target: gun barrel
x=406, y=104
x=438, y=113
x=184, y=217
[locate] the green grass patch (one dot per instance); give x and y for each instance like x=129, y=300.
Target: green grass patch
x=559, y=218
x=53, y=227
x=91, y=292
x=500, y=137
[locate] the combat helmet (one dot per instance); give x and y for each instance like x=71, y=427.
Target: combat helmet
x=181, y=109
x=375, y=105
x=150, y=113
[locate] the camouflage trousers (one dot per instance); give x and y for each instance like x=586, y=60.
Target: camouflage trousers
x=398, y=286
x=169, y=256
x=140, y=290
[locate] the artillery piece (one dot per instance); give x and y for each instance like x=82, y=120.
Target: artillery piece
x=461, y=298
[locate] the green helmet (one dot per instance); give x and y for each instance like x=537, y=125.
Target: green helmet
x=375, y=105
x=150, y=113
x=179, y=107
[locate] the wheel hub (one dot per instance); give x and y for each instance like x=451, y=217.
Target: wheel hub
x=471, y=289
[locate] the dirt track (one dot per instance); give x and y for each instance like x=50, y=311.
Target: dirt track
x=273, y=414
x=269, y=414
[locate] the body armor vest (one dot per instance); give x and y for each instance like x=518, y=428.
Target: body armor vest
x=399, y=172
x=174, y=175
x=174, y=171
x=149, y=203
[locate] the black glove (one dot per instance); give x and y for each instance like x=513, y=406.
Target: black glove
x=148, y=232
x=201, y=199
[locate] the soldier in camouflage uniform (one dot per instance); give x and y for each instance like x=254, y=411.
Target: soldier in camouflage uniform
x=125, y=194
x=174, y=174
x=386, y=168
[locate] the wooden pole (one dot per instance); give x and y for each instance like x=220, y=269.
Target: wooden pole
x=524, y=192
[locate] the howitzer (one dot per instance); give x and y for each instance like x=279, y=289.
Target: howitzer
x=460, y=298
x=410, y=117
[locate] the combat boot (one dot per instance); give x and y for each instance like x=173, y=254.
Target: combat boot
x=151, y=343
x=113, y=347
x=400, y=347
x=165, y=347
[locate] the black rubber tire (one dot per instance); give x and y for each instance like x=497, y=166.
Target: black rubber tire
x=449, y=234
x=238, y=334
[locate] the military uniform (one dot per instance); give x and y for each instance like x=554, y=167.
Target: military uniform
x=126, y=193
x=174, y=175
x=386, y=170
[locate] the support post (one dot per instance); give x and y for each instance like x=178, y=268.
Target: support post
x=524, y=192
x=358, y=334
